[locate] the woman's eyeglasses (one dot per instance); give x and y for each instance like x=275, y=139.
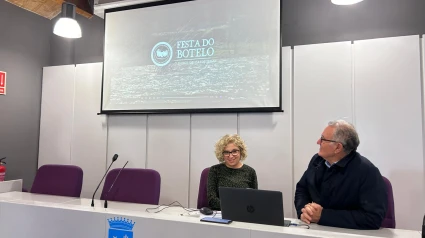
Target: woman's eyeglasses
x=233, y=152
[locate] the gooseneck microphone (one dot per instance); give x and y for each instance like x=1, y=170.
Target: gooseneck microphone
x=106, y=195
x=423, y=228
x=113, y=160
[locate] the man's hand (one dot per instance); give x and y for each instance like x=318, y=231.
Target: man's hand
x=311, y=213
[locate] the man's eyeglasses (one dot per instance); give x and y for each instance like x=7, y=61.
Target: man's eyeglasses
x=323, y=139
x=233, y=152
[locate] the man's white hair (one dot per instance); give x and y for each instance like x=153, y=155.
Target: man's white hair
x=346, y=134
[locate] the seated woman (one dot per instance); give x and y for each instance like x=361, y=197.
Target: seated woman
x=230, y=151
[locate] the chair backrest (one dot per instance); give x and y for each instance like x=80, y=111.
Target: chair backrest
x=60, y=180
x=202, y=194
x=389, y=220
x=133, y=185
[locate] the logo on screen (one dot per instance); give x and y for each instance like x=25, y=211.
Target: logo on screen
x=161, y=54
x=120, y=227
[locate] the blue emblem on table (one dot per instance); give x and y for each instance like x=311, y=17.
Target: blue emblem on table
x=120, y=227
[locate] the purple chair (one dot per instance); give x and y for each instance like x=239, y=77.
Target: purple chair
x=389, y=220
x=202, y=194
x=60, y=180
x=133, y=185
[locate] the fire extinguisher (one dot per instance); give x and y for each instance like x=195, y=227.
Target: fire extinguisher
x=2, y=169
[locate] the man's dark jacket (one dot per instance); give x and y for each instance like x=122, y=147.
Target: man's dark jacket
x=351, y=192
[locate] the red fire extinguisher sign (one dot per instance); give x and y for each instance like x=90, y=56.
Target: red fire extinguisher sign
x=2, y=83
x=2, y=169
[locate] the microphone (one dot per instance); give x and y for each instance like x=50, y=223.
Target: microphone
x=106, y=195
x=113, y=160
x=423, y=228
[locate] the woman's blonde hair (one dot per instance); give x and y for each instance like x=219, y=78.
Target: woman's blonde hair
x=230, y=139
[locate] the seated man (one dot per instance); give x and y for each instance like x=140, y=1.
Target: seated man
x=340, y=187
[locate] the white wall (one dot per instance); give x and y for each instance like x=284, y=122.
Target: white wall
x=57, y=109
x=322, y=92
x=88, y=146
x=71, y=132
x=389, y=117
x=168, y=153
x=376, y=84
x=127, y=138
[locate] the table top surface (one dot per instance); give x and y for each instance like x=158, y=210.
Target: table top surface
x=183, y=215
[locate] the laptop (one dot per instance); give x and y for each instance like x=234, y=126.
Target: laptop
x=253, y=206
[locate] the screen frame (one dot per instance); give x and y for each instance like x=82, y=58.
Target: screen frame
x=187, y=110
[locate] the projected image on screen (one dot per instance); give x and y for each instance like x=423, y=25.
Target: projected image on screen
x=221, y=54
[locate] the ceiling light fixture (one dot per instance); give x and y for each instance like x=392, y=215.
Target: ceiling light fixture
x=345, y=2
x=67, y=26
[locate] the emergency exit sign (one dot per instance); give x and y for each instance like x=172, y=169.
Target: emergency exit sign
x=2, y=83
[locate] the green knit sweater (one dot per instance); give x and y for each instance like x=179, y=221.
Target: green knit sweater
x=222, y=176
